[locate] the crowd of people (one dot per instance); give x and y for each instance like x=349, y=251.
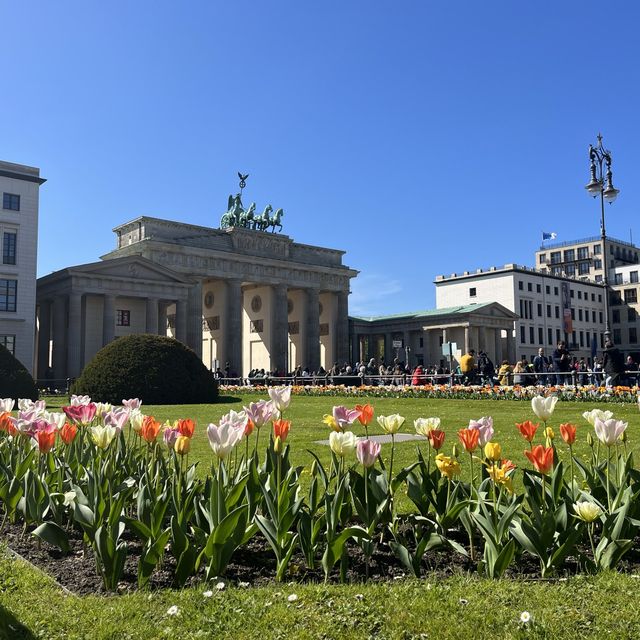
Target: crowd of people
x=559, y=368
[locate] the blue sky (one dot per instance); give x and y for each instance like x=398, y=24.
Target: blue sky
x=420, y=137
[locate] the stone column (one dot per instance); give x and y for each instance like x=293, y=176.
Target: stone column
x=312, y=346
x=74, y=336
x=181, y=321
x=406, y=342
x=279, y=329
x=467, y=341
x=108, y=319
x=44, y=335
x=162, y=319
x=389, y=353
x=482, y=339
x=511, y=347
x=497, y=356
x=194, y=319
x=355, y=347
x=342, y=327
x=426, y=348
x=152, y=316
x=60, y=338
x=232, y=327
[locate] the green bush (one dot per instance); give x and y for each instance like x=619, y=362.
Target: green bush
x=15, y=381
x=156, y=369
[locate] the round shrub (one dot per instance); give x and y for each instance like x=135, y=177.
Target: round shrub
x=15, y=381
x=156, y=369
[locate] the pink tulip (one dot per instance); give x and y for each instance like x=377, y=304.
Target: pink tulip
x=608, y=431
x=260, y=412
x=345, y=417
x=170, y=435
x=367, y=452
x=485, y=426
x=117, y=418
x=81, y=414
x=133, y=403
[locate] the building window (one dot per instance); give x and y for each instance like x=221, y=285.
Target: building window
x=617, y=278
x=597, y=264
x=11, y=201
x=615, y=316
x=600, y=316
x=123, y=318
x=593, y=316
x=539, y=311
x=572, y=292
x=569, y=255
x=633, y=276
x=8, y=295
x=520, y=285
x=549, y=335
x=583, y=268
x=558, y=334
x=580, y=315
x=579, y=295
x=632, y=315
x=582, y=338
x=574, y=341
x=532, y=339
x=556, y=271
x=9, y=343
x=540, y=335
x=598, y=278
x=9, y=248
x=256, y=326
x=529, y=286
x=557, y=311
x=573, y=313
x=522, y=334
x=615, y=298
x=633, y=335
x=472, y=292
x=617, y=336
x=630, y=295
x=588, y=337
x=548, y=289
x=555, y=291
x=597, y=249
x=593, y=297
x=583, y=253
x=548, y=311
x=556, y=257
x=570, y=270
x=543, y=258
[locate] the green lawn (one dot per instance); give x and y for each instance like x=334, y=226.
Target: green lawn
x=31, y=606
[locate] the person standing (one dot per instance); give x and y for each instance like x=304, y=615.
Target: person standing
x=562, y=363
x=540, y=366
x=612, y=363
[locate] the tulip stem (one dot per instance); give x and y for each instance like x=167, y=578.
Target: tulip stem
x=393, y=446
x=544, y=493
x=572, y=472
x=608, y=479
x=593, y=546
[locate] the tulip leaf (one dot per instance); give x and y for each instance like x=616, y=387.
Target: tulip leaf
x=53, y=534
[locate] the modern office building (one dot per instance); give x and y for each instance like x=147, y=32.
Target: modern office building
x=583, y=259
x=19, y=188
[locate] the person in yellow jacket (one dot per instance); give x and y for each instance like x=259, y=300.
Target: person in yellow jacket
x=468, y=367
x=505, y=372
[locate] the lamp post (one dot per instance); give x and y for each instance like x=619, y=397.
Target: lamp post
x=601, y=183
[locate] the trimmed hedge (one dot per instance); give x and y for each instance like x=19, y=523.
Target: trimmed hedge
x=156, y=369
x=15, y=381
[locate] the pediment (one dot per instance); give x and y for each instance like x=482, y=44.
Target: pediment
x=131, y=268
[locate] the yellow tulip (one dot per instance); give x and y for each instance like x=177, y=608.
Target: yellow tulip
x=493, y=451
x=447, y=466
x=182, y=445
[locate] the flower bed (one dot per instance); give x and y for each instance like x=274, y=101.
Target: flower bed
x=587, y=393
x=118, y=483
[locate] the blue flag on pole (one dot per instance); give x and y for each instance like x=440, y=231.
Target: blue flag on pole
x=546, y=235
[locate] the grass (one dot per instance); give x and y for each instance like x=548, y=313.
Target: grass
x=32, y=606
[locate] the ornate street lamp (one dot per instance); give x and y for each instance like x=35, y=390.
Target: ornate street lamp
x=601, y=184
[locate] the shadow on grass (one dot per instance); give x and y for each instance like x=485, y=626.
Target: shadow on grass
x=228, y=400
x=11, y=628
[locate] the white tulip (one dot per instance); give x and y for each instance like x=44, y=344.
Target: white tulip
x=391, y=424
x=424, y=425
x=342, y=443
x=543, y=407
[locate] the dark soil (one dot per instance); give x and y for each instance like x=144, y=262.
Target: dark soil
x=254, y=564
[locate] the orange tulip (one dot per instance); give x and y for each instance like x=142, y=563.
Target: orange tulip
x=568, y=433
x=528, y=430
x=68, y=432
x=186, y=427
x=436, y=438
x=507, y=465
x=281, y=429
x=46, y=438
x=150, y=429
x=366, y=414
x=541, y=458
x=469, y=439
x=248, y=430
x=6, y=424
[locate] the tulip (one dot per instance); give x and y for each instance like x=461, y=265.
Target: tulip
x=55, y=418
x=132, y=403
x=587, y=511
x=528, y=430
x=102, y=435
x=281, y=429
x=541, y=458
x=469, y=439
x=568, y=433
x=608, y=431
x=543, y=407
x=235, y=419
x=424, y=425
x=436, y=438
x=344, y=417
x=260, y=412
x=103, y=408
x=169, y=437
x=6, y=423
x=597, y=414
x=223, y=438
x=391, y=424
x=485, y=426
x=366, y=414
x=6, y=405
x=68, y=432
x=117, y=418
x=186, y=427
x=150, y=429
x=182, y=445
x=330, y=421
x=493, y=451
x=342, y=443
x=367, y=452
x=549, y=434
x=77, y=401
x=248, y=430
x=25, y=404
x=281, y=397
x=507, y=465
x=81, y=414
x=136, y=419
x=46, y=437
x=447, y=466
x=499, y=476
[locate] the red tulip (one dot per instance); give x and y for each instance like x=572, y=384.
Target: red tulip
x=528, y=430
x=541, y=458
x=186, y=427
x=469, y=439
x=568, y=433
x=436, y=438
x=366, y=414
x=45, y=438
x=281, y=429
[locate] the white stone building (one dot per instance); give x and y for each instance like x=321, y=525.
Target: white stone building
x=19, y=189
